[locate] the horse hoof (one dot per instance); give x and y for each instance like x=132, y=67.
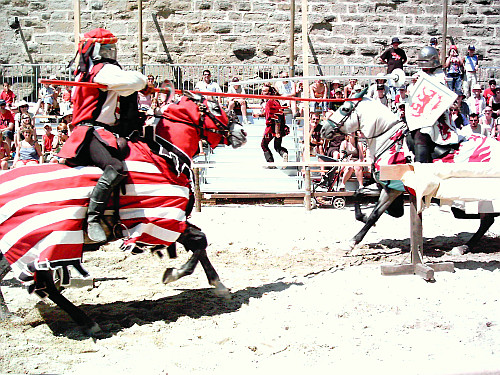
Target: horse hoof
x=92, y=330
x=348, y=246
x=459, y=250
x=170, y=275
x=221, y=291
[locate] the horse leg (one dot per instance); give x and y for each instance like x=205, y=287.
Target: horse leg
x=387, y=196
x=194, y=239
x=4, y=269
x=360, y=216
x=45, y=282
x=487, y=221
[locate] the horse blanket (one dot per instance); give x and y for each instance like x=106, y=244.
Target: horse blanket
x=43, y=209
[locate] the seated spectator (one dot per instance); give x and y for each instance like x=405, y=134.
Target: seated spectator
x=6, y=122
x=354, y=150
x=372, y=89
x=348, y=89
x=47, y=139
x=332, y=147
x=56, y=109
x=318, y=91
x=287, y=88
x=382, y=97
x=494, y=103
x=488, y=93
x=29, y=151
x=162, y=98
x=47, y=98
x=146, y=102
x=495, y=132
x=487, y=120
x=24, y=121
x=476, y=101
x=239, y=103
x=458, y=119
x=356, y=90
x=65, y=103
x=401, y=97
x=67, y=118
x=474, y=127
x=463, y=106
x=8, y=95
x=58, y=142
x=316, y=142
x=4, y=154
x=339, y=94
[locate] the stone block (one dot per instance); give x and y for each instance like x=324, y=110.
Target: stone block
x=244, y=51
x=479, y=31
x=243, y=6
x=224, y=5
x=205, y=5
x=222, y=28
x=369, y=51
x=202, y=27
x=413, y=30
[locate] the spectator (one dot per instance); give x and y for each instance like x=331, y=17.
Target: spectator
x=8, y=95
x=488, y=93
x=4, y=154
x=495, y=132
x=411, y=85
x=474, y=127
x=434, y=43
x=275, y=125
x=318, y=91
x=356, y=90
x=65, y=103
x=487, y=121
x=23, y=108
x=67, y=118
x=372, y=90
x=395, y=58
x=350, y=87
x=401, y=110
x=57, y=143
x=29, y=152
x=471, y=66
x=381, y=96
x=287, y=88
x=339, y=94
x=494, y=103
x=47, y=139
x=146, y=100
x=459, y=120
x=47, y=98
x=476, y=101
x=354, y=150
x=207, y=85
x=454, y=68
x=462, y=105
x=162, y=98
x=401, y=98
x=24, y=121
x=6, y=122
x=56, y=109
x=316, y=142
x=240, y=103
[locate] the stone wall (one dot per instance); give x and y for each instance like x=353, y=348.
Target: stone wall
x=249, y=31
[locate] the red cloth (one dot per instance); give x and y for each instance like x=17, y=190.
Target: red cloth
x=47, y=141
x=8, y=96
x=75, y=142
x=6, y=118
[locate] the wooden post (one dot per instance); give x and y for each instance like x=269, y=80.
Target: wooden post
x=139, y=42
x=307, y=189
x=197, y=191
x=76, y=23
x=444, y=31
x=305, y=64
x=291, y=61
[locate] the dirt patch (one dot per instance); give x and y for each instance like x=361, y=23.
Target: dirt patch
x=298, y=303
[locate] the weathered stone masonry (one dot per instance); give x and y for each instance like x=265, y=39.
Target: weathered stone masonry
x=251, y=31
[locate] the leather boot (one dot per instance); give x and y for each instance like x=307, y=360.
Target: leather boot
x=109, y=179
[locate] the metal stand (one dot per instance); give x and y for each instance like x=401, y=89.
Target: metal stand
x=417, y=267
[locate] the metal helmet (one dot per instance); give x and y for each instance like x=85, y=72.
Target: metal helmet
x=428, y=57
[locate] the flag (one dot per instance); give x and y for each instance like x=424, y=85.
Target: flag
x=429, y=99
x=43, y=209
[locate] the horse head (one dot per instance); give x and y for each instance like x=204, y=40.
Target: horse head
x=341, y=120
x=193, y=118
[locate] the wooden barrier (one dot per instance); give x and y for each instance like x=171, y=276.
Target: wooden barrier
x=417, y=266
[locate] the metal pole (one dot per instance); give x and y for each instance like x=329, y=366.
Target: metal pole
x=292, y=39
x=307, y=145
x=445, y=31
x=76, y=23
x=141, y=64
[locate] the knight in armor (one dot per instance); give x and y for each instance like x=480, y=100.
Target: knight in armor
x=431, y=139
x=99, y=115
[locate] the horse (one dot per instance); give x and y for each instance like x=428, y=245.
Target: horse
x=43, y=207
x=386, y=134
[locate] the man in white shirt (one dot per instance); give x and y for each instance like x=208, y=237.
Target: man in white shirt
x=207, y=85
x=287, y=88
x=476, y=101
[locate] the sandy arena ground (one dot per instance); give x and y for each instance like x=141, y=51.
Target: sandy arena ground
x=299, y=304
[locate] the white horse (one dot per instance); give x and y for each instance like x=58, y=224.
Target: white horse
x=385, y=134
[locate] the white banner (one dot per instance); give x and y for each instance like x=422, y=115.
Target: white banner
x=428, y=100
